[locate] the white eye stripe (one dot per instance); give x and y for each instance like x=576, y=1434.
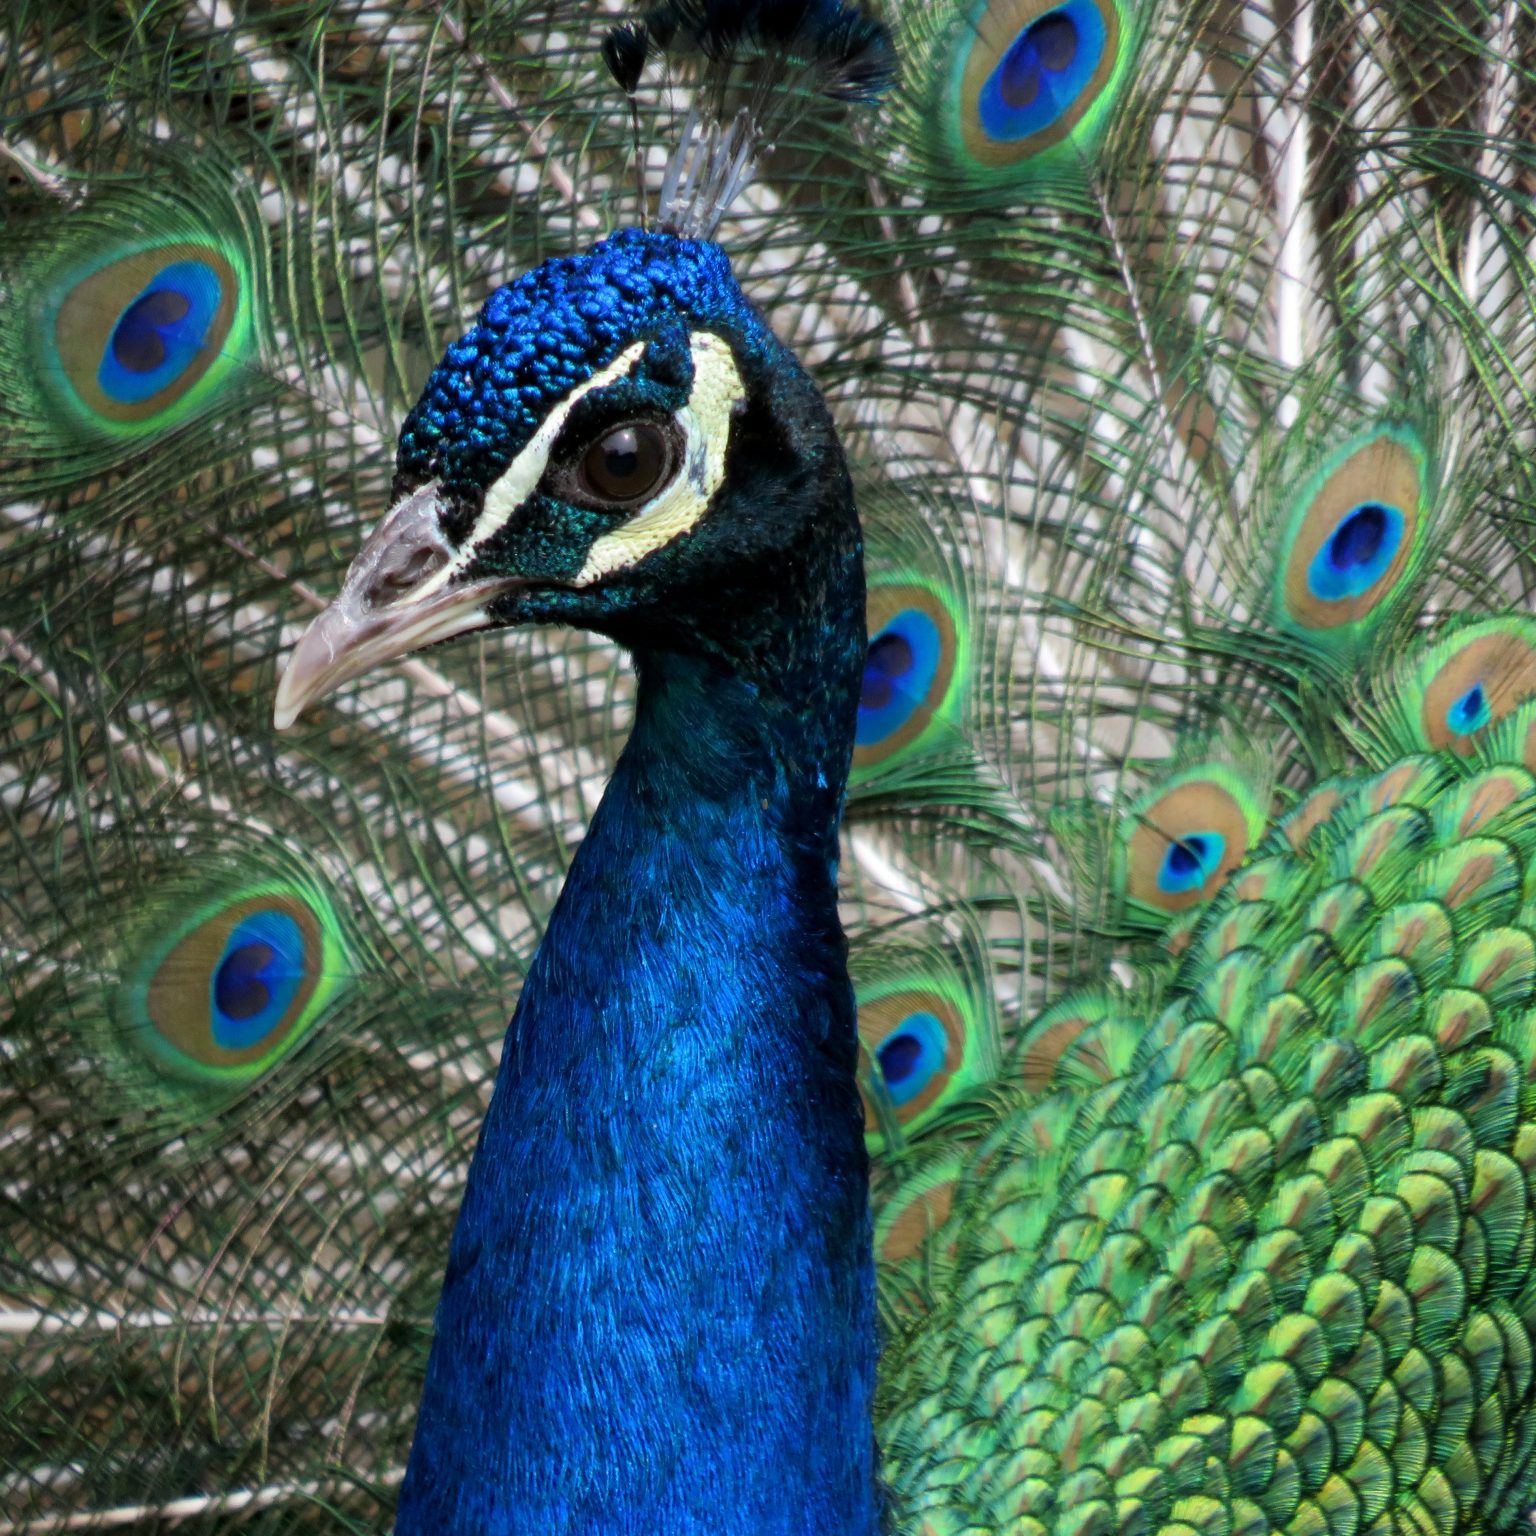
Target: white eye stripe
x=678, y=506
x=519, y=479
x=706, y=425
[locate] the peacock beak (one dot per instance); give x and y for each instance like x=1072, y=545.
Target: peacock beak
x=402, y=592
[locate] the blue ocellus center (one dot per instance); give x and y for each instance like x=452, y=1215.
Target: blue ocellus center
x=1470, y=712
x=1357, y=553
x=1045, y=47
x=911, y=1056
x=257, y=979
x=139, y=341
x=900, y=669
x=1189, y=861
x=161, y=333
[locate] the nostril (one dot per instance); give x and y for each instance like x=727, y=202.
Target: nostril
x=405, y=552
x=403, y=570
x=422, y=563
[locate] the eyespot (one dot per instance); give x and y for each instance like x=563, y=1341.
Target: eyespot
x=130, y=311
x=915, y=1039
x=627, y=464
x=236, y=983
x=1180, y=841
x=1358, y=550
x=1035, y=82
x=925, y=1039
x=139, y=337
x=1353, y=539
x=1008, y=95
x=1472, y=679
x=914, y=661
x=1470, y=712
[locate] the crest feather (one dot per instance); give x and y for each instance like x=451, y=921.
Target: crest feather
x=755, y=69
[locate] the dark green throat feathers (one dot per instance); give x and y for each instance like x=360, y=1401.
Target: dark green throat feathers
x=1179, y=356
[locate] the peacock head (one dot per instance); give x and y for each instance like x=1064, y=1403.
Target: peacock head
x=618, y=443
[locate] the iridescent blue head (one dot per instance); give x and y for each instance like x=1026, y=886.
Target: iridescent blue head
x=618, y=442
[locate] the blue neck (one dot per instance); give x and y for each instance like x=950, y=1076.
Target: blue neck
x=658, y=1310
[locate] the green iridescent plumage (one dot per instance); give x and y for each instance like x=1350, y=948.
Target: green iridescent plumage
x=1191, y=428
x=1273, y=1271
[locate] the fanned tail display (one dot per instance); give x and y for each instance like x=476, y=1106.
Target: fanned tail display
x=1183, y=358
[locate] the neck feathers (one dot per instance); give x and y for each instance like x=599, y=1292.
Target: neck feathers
x=658, y=1310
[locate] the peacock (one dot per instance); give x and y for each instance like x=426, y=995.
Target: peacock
x=936, y=601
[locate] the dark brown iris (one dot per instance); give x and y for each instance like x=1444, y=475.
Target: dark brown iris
x=627, y=464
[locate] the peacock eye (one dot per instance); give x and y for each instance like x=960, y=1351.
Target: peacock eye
x=627, y=464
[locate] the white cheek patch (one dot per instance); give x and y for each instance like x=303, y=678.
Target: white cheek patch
x=706, y=424
x=521, y=477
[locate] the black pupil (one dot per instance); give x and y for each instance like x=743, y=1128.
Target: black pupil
x=239, y=988
x=1184, y=858
x=899, y=1057
x=890, y=657
x=626, y=463
x=138, y=342
x=1055, y=39
x=1048, y=46
x=1359, y=537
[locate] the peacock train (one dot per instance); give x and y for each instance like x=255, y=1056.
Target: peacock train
x=936, y=599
